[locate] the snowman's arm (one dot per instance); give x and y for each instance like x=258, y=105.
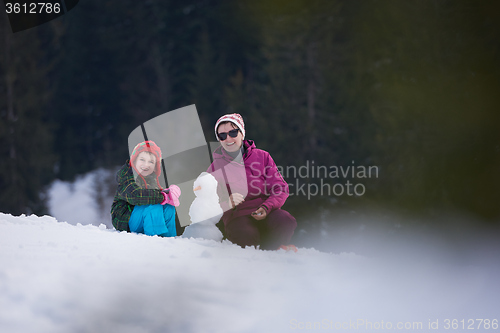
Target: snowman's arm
x=225, y=205
x=222, y=190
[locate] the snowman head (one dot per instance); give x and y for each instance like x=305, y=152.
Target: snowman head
x=205, y=185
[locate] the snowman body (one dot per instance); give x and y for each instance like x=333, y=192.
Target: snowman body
x=205, y=210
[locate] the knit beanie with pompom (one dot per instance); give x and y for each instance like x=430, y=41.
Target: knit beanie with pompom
x=234, y=118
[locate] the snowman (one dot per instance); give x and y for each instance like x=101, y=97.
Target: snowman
x=205, y=210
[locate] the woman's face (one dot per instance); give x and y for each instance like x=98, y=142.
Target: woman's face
x=145, y=163
x=230, y=144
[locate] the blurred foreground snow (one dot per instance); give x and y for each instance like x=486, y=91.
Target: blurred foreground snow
x=57, y=277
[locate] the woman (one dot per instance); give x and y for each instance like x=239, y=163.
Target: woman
x=251, y=189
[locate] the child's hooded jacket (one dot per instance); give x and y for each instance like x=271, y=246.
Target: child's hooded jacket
x=131, y=192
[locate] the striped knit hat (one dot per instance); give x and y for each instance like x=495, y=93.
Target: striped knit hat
x=150, y=147
x=234, y=118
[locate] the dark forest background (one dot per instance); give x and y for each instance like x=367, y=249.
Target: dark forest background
x=412, y=87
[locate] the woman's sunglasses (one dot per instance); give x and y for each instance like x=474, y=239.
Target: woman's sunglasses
x=232, y=133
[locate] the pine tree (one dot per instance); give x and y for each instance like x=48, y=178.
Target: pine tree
x=433, y=70
x=287, y=94
x=25, y=136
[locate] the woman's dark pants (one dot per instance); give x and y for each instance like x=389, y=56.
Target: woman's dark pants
x=275, y=230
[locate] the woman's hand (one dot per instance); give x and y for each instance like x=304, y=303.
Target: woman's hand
x=259, y=214
x=235, y=199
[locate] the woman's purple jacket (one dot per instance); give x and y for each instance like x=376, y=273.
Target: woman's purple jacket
x=256, y=177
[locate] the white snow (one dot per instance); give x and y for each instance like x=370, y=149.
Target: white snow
x=57, y=277
x=86, y=200
x=69, y=273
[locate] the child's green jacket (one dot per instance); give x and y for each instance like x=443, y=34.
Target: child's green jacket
x=129, y=194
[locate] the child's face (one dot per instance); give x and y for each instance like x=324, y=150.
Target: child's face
x=145, y=163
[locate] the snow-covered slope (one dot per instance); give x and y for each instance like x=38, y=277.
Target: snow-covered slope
x=57, y=277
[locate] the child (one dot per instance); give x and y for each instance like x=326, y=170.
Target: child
x=141, y=205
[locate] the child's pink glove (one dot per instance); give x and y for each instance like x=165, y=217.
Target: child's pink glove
x=171, y=195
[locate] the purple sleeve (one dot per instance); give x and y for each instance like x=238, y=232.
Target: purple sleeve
x=277, y=186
